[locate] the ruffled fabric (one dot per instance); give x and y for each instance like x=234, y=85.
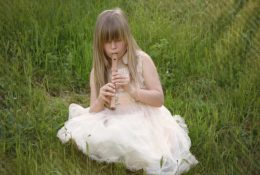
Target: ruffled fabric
x=138, y=135
x=142, y=138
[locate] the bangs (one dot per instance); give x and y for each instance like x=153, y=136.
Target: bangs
x=112, y=30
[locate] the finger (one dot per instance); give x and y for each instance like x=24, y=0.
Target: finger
x=121, y=84
x=109, y=94
x=111, y=85
x=108, y=86
x=109, y=89
x=115, y=73
x=120, y=76
x=124, y=81
x=121, y=79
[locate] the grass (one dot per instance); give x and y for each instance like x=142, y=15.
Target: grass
x=206, y=52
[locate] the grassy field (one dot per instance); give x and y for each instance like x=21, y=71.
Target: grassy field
x=207, y=54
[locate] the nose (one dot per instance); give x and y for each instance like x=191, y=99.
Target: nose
x=113, y=45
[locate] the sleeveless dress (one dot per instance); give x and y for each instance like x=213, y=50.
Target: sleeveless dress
x=138, y=135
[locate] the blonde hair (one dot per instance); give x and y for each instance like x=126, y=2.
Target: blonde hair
x=112, y=25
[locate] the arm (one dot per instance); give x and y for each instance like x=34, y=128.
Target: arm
x=153, y=95
x=105, y=94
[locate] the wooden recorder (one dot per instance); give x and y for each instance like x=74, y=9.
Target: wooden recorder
x=113, y=69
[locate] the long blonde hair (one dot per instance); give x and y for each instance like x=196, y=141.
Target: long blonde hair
x=112, y=25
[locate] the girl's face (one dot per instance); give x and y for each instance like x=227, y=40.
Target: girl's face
x=115, y=47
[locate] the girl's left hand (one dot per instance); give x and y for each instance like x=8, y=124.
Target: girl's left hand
x=121, y=80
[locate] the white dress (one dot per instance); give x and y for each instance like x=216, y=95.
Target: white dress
x=138, y=135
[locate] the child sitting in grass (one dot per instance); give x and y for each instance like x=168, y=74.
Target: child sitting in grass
x=140, y=132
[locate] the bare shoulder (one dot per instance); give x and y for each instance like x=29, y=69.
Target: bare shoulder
x=149, y=70
x=145, y=59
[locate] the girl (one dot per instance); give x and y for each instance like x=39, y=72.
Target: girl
x=140, y=132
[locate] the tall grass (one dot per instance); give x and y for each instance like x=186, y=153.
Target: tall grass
x=206, y=52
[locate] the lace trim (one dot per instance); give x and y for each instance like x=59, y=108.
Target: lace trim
x=140, y=69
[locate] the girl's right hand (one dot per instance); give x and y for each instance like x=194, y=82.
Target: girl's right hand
x=106, y=92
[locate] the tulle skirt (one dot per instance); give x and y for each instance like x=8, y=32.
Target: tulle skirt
x=137, y=135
